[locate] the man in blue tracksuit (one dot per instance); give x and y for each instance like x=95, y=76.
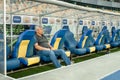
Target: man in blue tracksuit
x=43, y=48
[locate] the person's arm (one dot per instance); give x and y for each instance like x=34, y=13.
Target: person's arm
x=38, y=47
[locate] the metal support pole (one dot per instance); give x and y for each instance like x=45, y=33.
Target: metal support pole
x=77, y=29
x=40, y=22
x=102, y=19
x=4, y=22
x=61, y=23
x=11, y=28
x=110, y=22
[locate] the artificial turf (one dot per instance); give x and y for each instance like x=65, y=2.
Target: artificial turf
x=40, y=69
x=31, y=71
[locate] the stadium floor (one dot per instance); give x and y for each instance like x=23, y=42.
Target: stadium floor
x=2, y=77
x=93, y=69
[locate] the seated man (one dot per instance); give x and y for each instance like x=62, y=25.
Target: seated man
x=43, y=48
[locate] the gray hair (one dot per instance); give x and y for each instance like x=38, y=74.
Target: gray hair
x=37, y=27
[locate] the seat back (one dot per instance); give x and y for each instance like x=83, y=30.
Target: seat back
x=84, y=29
x=86, y=40
x=8, y=51
x=90, y=40
x=103, y=37
x=114, y=34
x=25, y=44
x=82, y=40
x=104, y=28
x=58, y=39
x=99, y=38
x=70, y=41
x=118, y=35
x=66, y=28
x=107, y=36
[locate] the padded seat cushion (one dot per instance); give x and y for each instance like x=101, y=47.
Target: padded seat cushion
x=67, y=53
x=11, y=64
x=99, y=47
x=114, y=44
x=29, y=61
x=92, y=49
x=77, y=51
x=107, y=46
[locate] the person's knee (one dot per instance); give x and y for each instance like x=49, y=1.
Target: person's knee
x=51, y=53
x=61, y=50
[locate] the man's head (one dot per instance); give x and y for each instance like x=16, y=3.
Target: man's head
x=39, y=30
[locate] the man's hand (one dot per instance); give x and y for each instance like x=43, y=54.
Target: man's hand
x=52, y=48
